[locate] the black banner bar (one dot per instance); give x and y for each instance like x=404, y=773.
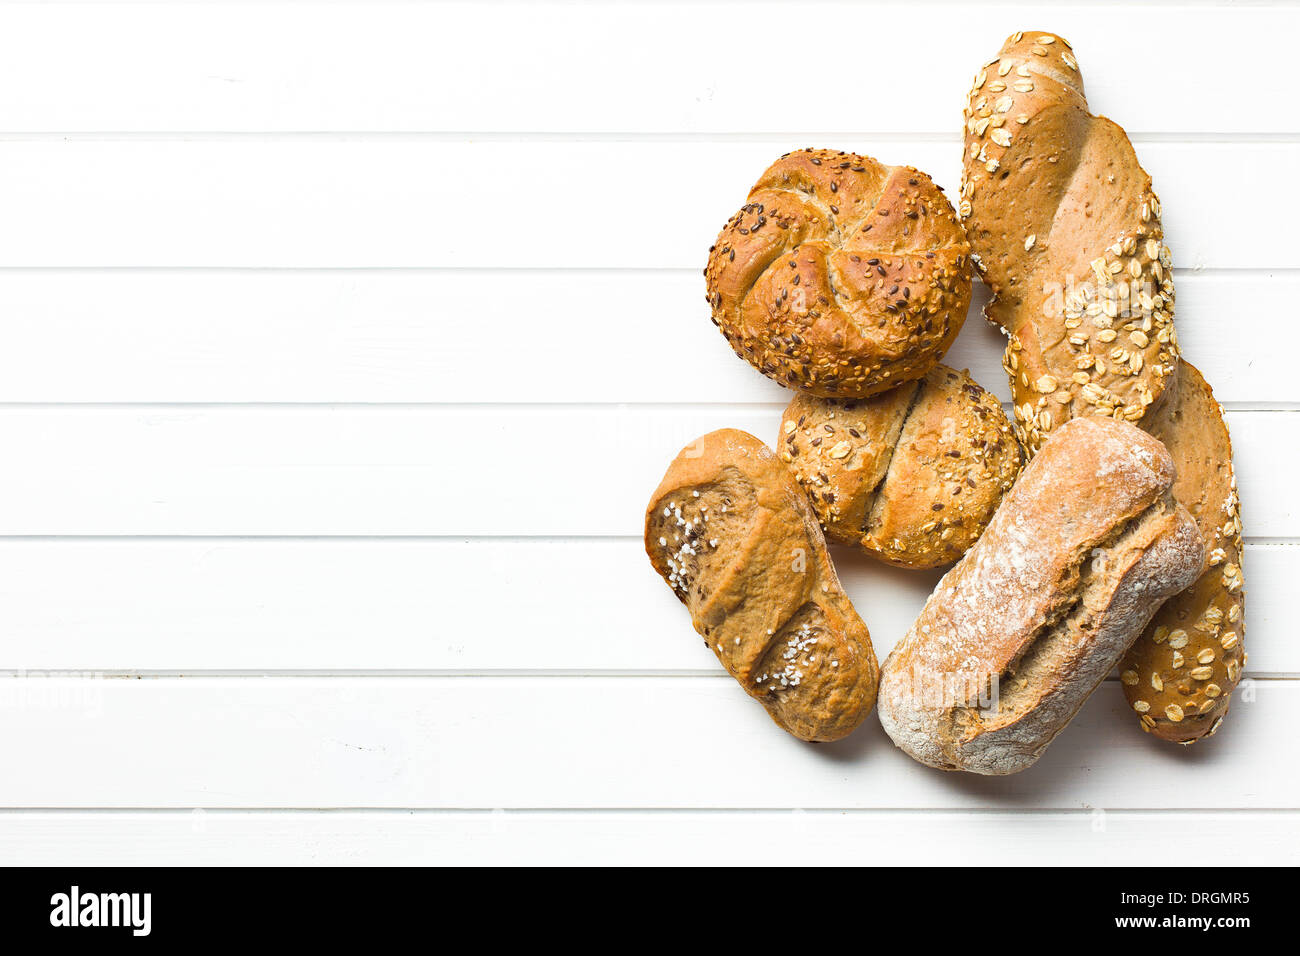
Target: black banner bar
x=967, y=906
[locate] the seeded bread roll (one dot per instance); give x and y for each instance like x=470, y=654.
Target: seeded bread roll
x=912, y=475
x=1179, y=674
x=1080, y=554
x=840, y=276
x=1065, y=229
x=731, y=532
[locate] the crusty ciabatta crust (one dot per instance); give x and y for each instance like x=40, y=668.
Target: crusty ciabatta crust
x=1080, y=554
x=1065, y=229
x=1180, y=673
x=840, y=276
x=731, y=532
x=911, y=476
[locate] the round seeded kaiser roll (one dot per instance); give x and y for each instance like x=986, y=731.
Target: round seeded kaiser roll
x=913, y=475
x=841, y=276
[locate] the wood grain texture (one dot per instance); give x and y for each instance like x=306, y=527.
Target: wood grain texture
x=527, y=66
x=253, y=272
x=258, y=201
x=511, y=838
x=348, y=605
x=561, y=742
x=396, y=470
x=398, y=336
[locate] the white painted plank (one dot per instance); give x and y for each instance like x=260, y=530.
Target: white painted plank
x=401, y=336
x=420, y=201
x=560, y=742
x=417, y=470
x=184, y=606
x=444, y=197
x=485, y=67
x=629, y=837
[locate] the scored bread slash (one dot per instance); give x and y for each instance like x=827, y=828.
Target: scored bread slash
x=911, y=476
x=1065, y=229
x=840, y=276
x=731, y=532
x=1180, y=673
x=1080, y=554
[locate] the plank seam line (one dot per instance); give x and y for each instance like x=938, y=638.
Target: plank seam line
x=791, y=139
x=601, y=407
x=614, y=811
x=504, y=673
x=504, y=538
x=680, y=271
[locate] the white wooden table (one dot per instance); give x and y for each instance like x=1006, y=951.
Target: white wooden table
x=341, y=345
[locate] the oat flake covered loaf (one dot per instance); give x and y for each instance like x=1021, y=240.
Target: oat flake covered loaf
x=1180, y=673
x=840, y=276
x=1065, y=229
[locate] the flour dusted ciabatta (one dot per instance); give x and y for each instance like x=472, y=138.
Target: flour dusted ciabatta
x=913, y=475
x=840, y=276
x=1065, y=229
x=1179, y=674
x=731, y=532
x=1080, y=554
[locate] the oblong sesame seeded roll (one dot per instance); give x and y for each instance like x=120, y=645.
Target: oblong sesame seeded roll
x=732, y=533
x=840, y=276
x=912, y=476
x=1065, y=229
x=1180, y=673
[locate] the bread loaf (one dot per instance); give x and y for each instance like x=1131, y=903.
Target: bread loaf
x=840, y=276
x=1080, y=554
x=911, y=475
x=1179, y=674
x=731, y=532
x=1065, y=229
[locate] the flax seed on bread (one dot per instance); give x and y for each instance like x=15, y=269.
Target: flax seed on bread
x=840, y=276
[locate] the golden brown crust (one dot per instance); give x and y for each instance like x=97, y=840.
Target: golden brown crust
x=1180, y=673
x=1065, y=229
x=1080, y=554
x=731, y=532
x=840, y=276
x=840, y=452
x=913, y=475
